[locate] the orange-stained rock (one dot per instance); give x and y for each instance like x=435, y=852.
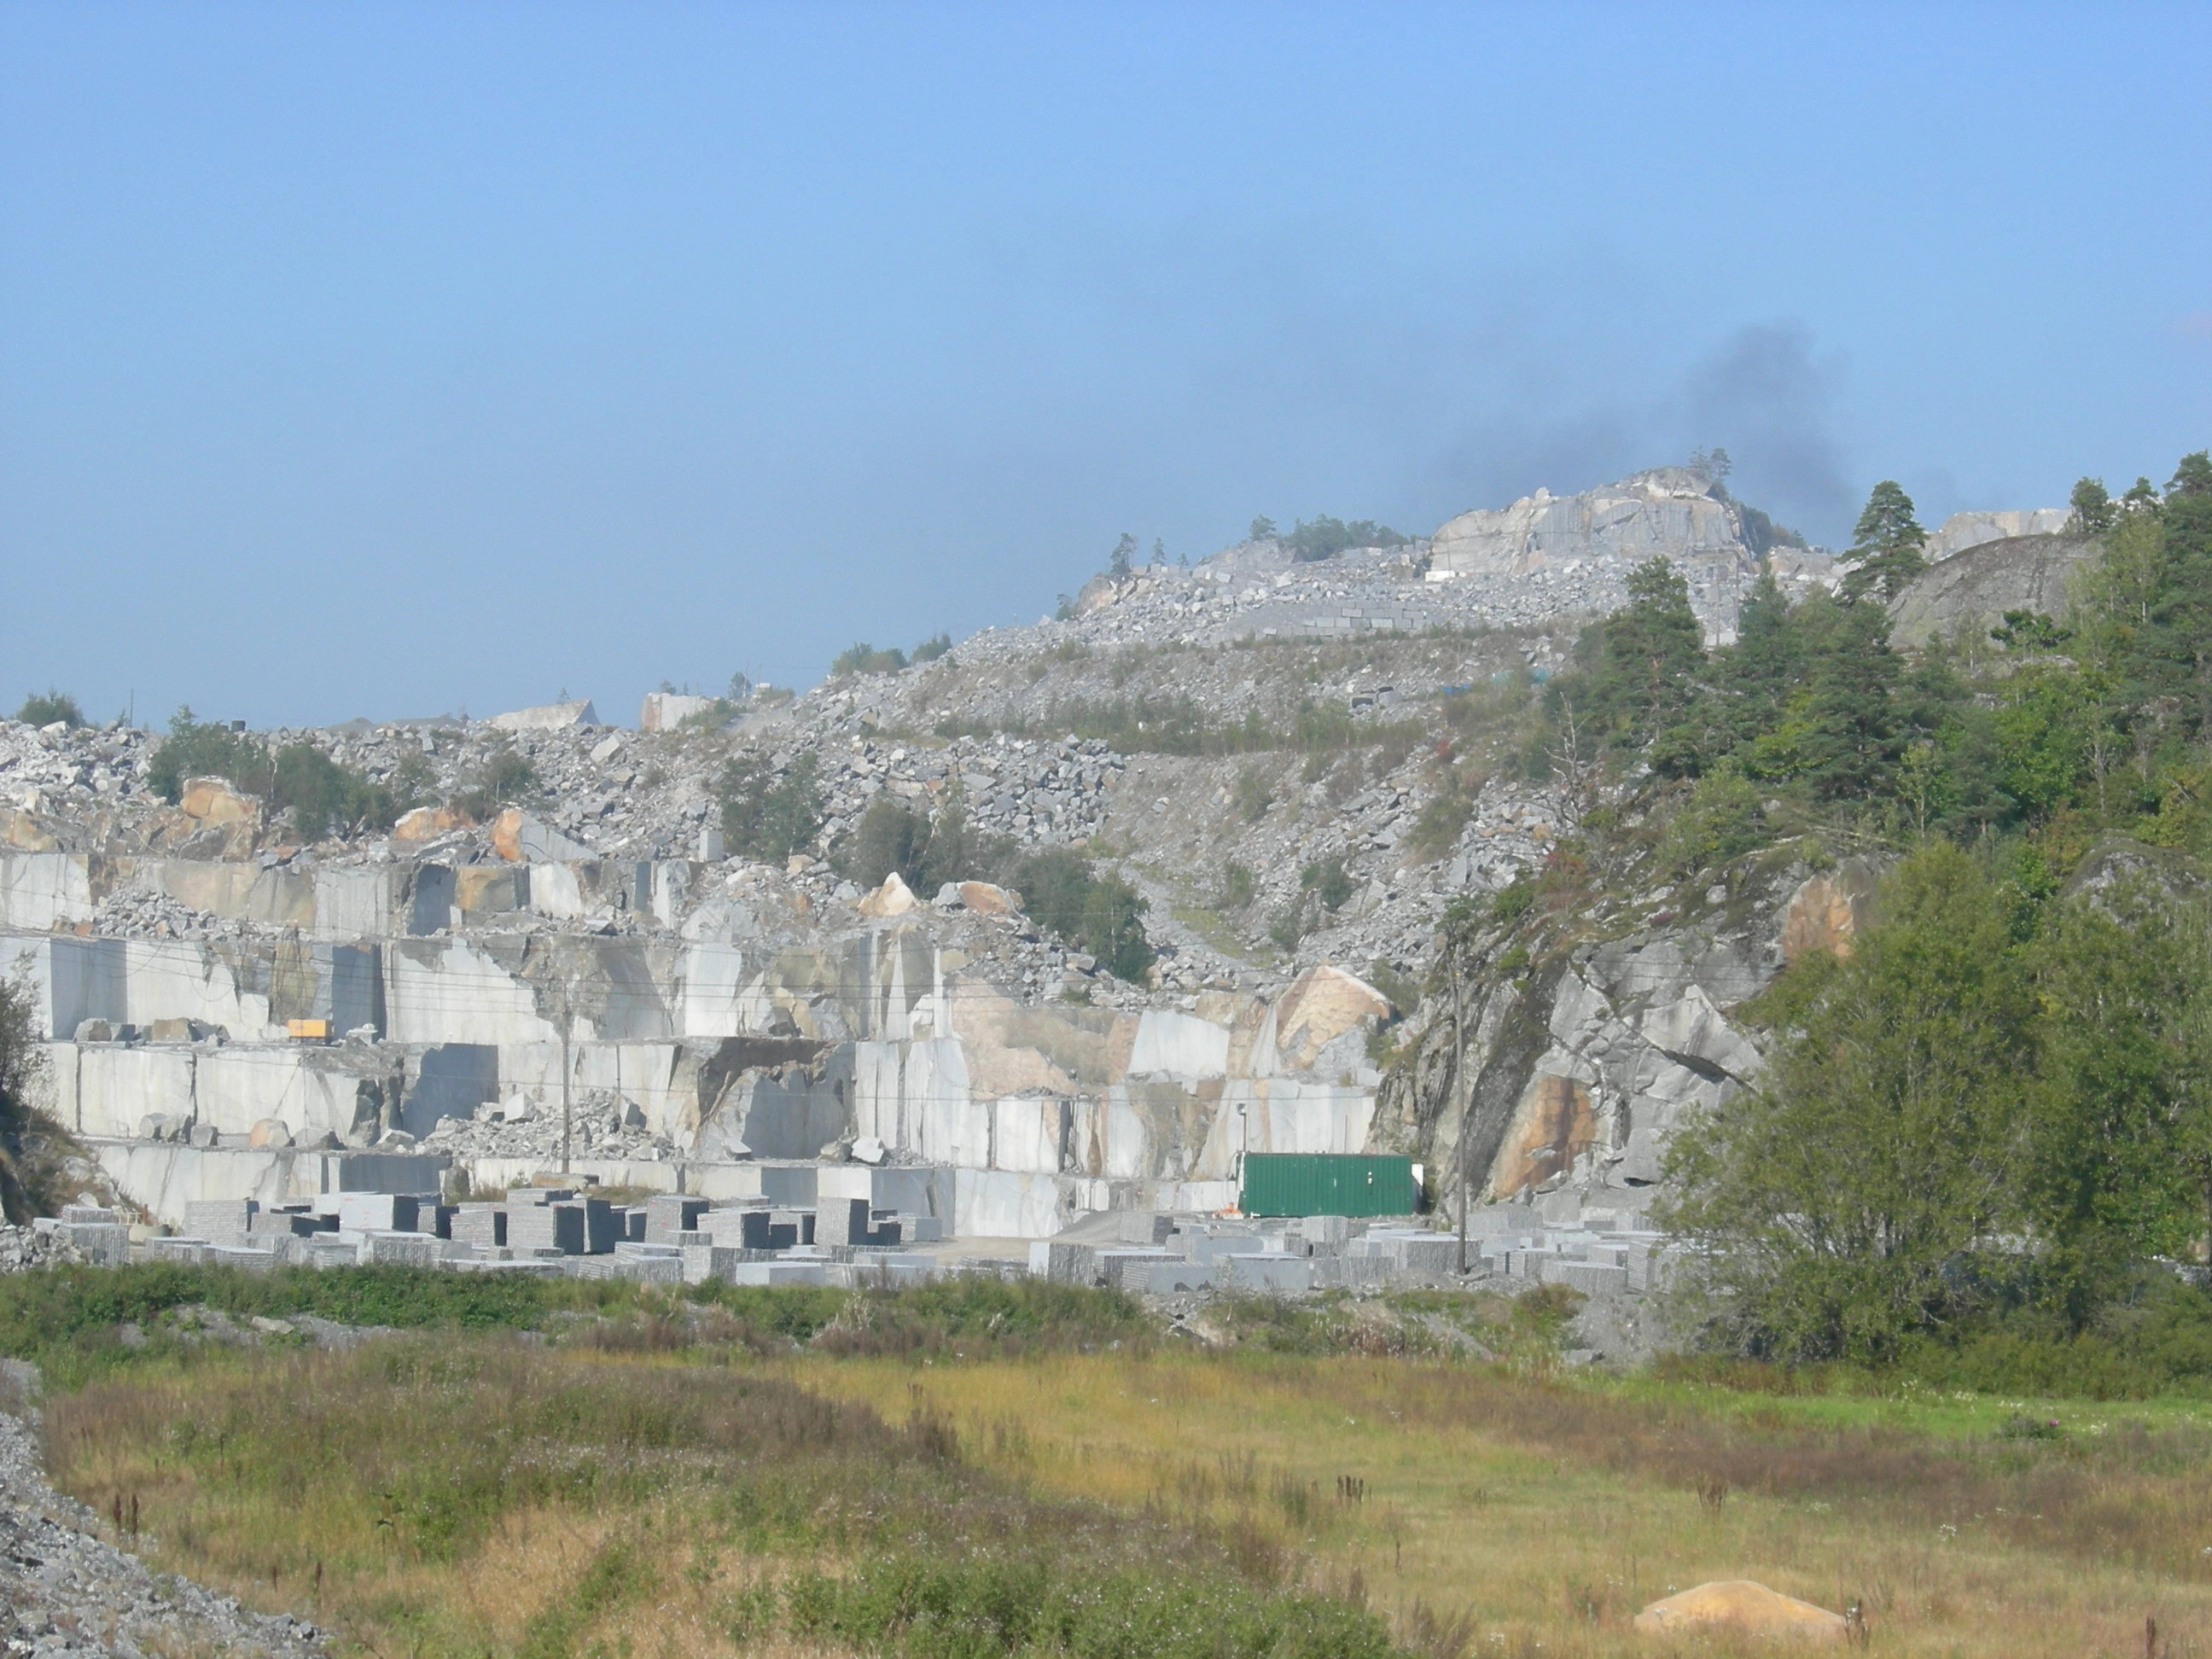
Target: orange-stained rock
x=210, y=800
x=893, y=898
x=22, y=831
x=1740, y=1604
x=1323, y=1004
x=986, y=900
x=506, y=834
x=429, y=823
x=1829, y=911
x=1552, y=1127
x=269, y=1132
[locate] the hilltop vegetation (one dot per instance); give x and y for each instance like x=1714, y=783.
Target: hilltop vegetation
x=1990, y=1128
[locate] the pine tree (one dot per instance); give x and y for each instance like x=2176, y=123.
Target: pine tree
x=1124, y=554
x=1651, y=652
x=1886, y=547
x=2094, y=510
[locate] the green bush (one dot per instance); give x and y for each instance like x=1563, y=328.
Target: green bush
x=1324, y=538
x=767, y=815
x=927, y=852
x=935, y=1606
x=322, y=797
x=1437, y=830
x=1327, y=880
x=864, y=659
x=208, y=749
x=325, y=798
x=1255, y=792
x=45, y=710
x=1102, y=916
x=1238, y=886
x=933, y=647
x=505, y=777
x=1722, y=820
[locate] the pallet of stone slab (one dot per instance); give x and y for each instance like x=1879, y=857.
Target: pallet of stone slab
x=1176, y=1274
x=1143, y=1227
x=781, y=1272
x=226, y=1218
x=530, y=1269
x=105, y=1242
x=1354, y=1273
x=667, y=1214
x=1591, y=1277
x=483, y=1225
x=1271, y=1272
x=401, y=1250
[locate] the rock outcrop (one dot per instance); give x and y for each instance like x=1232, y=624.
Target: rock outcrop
x=1575, y=1068
x=1671, y=512
x=1964, y=530
x=1972, y=590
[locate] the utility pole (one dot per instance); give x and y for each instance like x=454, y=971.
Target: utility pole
x=1458, y=1064
x=567, y=1116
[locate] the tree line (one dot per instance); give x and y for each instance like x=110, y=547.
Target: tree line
x=1989, y=1123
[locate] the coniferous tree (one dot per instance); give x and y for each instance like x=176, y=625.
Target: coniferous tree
x=1888, y=546
x=2095, y=509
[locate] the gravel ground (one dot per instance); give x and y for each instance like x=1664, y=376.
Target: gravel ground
x=63, y=1591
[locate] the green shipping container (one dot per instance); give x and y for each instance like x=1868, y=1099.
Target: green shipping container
x=1329, y=1184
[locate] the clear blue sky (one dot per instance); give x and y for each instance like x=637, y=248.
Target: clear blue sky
x=390, y=359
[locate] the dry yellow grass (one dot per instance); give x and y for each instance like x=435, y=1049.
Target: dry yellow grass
x=1450, y=1496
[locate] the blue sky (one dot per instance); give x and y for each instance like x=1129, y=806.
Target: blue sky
x=396, y=359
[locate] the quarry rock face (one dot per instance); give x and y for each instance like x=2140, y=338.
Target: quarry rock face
x=1964, y=530
x=231, y=1015
x=1829, y=911
x=1670, y=511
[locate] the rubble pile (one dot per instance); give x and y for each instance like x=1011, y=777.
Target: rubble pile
x=65, y=1591
x=59, y=770
x=22, y=1248
x=600, y=1125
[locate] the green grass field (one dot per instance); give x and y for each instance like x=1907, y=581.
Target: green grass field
x=1026, y=1469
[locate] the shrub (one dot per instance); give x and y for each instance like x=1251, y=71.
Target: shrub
x=207, y=748
x=45, y=710
x=325, y=798
x=933, y=647
x=1722, y=820
x=1403, y=992
x=1327, y=880
x=713, y=718
x=504, y=778
x=864, y=659
x=1437, y=830
x=927, y=852
x=1325, y=537
x=1255, y=794
x=768, y=815
x=31, y=1177
x=322, y=796
x=1238, y=886
x=1102, y=916
x=890, y=836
